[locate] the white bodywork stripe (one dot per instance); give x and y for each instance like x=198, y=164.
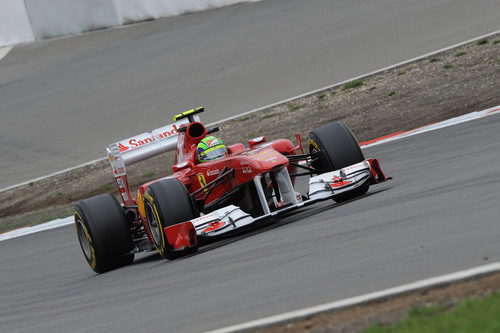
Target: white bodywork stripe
x=348, y=302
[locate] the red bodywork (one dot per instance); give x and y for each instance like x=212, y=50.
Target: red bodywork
x=259, y=158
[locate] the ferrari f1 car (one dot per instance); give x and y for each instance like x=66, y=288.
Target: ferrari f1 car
x=202, y=201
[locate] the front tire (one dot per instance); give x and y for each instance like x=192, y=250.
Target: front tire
x=167, y=202
x=341, y=149
x=103, y=233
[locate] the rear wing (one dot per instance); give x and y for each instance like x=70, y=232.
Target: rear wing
x=139, y=148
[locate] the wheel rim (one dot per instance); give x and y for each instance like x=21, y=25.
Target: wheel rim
x=84, y=240
x=154, y=224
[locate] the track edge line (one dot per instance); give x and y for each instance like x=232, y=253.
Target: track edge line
x=358, y=300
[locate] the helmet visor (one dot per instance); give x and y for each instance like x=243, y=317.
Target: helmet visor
x=213, y=153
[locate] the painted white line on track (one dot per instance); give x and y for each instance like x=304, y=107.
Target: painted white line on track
x=37, y=228
x=348, y=302
x=433, y=127
x=392, y=137
x=4, y=51
x=53, y=174
x=357, y=77
x=277, y=103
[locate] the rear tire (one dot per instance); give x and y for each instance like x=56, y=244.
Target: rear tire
x=167, y=202
x=341, y=149
x=103, y=233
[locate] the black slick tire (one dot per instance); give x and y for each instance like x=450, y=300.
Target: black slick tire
x=103, y=233
x=341, y=149
x=167, y=202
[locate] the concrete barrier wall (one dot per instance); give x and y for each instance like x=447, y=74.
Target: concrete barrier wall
x=15, y=26
x=129, y=11
x=54, y=18
x=28, y=20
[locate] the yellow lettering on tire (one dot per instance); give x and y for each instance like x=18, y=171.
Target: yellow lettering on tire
x=314, y=144
x=92, y=251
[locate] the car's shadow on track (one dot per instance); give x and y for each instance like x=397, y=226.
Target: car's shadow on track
x=149, y=257
x=277, y=222
x=258, y=228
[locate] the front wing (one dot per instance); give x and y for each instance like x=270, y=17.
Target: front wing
x=231, y=218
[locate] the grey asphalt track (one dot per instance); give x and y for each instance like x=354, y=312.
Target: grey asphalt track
x=438, y=215
x=63, y=101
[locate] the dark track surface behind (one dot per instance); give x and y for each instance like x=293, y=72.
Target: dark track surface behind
x=63, y=101
x=438, y=215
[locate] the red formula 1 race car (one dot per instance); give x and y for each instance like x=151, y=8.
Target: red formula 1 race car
x=202, y=201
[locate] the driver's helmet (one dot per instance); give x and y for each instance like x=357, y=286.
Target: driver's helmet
x=210, y=148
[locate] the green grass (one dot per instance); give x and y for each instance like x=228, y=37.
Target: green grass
x=252, y=135
x=434, y=60
x=353, y=84
x=389, y=93
x=321, y=97
x=148, y=174
x=448, y=66
x=459, y=54
x=107, y=187
x=243, y=119
x=267, y=116
x=495, y=42
x=473, y=315
x=293, y=107
x=402, y=73
x=482, y=41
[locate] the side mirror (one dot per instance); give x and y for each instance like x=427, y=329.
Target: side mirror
x=183, y=165
x=255, y=141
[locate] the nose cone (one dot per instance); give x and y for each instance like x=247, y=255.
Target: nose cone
x=267, y=159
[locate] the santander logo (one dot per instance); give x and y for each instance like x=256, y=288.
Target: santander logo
x=146, y=138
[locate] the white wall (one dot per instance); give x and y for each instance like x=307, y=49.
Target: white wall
x=135, y=10
x=53, y=18
x=28, y=20
x=14, y=23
